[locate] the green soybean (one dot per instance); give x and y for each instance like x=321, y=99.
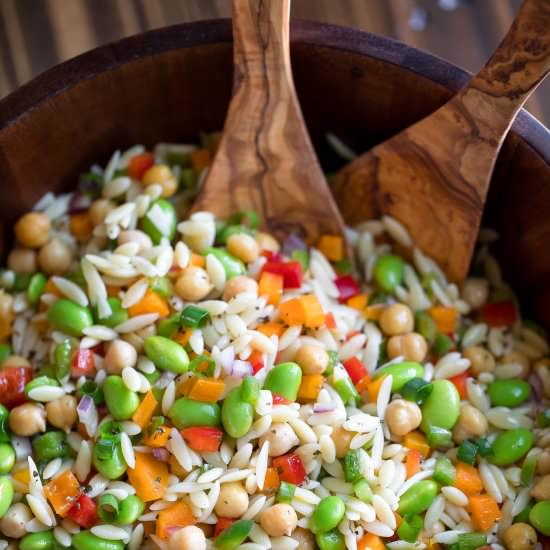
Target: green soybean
x=167, y=211
x=231, y=265
x=284, y=380
x=250, y=389
x=70, y=318
x=4, y=430
x=508, y=393
x=510, y=446
x=442, y=407
x=418, y=498
x=425, y=325
x=187, y=412
x=118, y=314
x=7, y=458
x=50, y=445
x=121, y=401
x=129, y=510
x=111, y=465
x=401, y=373
x=85, y=540
x=333, y=540
x=540, y=517
x=388, y=272
x=36, y=287
x=327, y=515
x=6, y=494
x=166, y=354
x=38, y=541
x=237, y=414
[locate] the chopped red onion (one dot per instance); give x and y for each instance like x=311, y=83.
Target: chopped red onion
x=324, y=407
x=536, y=384
x=79, y=203
x=87, y=414
x=293, y=242
x=226, y=359
x=241, y=368
x=161, y=454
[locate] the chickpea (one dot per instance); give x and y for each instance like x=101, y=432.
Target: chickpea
x=481, y=360
x=543, y=462
x=541, y=488
x=238, y=285
x=396, y=319
x=305, y=539
x=342, y=438
x=14, y=520
x=520, y=536
x=55, y=257
x=193, y=284
x=475, y=292
x=32, y=229
x=233, y=500
x=61, y=412
x=267, y=242
x=518, y=358
x=403, y=417
x=28, y=419
x=22, y=260
x=15, y=361
x=162, y=175
x=120, y=355
x=243, y=246
x=279, y=520
x=187, y=538
x=412, y=347
x=542, y=369
x=281, y=438
x=313, y=359
x=135, y=236
x=471, y=423
x=99, y=209
x=7, y=315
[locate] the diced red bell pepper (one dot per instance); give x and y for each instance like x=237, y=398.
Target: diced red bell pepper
x=272, y=256
x=222, y=524
x=257, y=362
x=82, y=363
x=138, y=165
x=460, y=382
x=347, y=287
x=330, y=321
x=84, y=512
x=290, y=468
x=203, y=438
x=356, y=369
x=291, y=272
x=499, y=314
x=12, y=385
x=280, y=400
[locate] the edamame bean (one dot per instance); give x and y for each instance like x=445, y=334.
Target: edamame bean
x=118, y=314
x=442, y=407
x=50, y=445
x=7, y=458
x=85, y=540
x=164, y=209
x=333, y=540
x=402, y=373
x=36, y=287
x=6, y=494
x=508, y=393
x=510, y=446
x=187, y=412
x=166, y=354
x=231, y=265
x=237, y=414
x=284, y=380
x=121, y=401
x=38, y=541
x=418, y=498
x=327, y=515
x=540, y=517
x=388, y=272
x=129, y=510
x=68, y=317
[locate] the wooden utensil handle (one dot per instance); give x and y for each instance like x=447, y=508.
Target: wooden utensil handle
x=519, y=64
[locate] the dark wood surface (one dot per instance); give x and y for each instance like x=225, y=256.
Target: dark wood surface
x=36, y=34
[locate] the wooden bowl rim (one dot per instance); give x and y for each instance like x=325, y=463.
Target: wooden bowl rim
x=54, y=81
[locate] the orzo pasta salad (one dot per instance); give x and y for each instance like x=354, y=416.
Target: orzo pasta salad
x=191, y=383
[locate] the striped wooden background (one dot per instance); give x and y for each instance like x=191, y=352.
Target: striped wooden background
x=36, y=34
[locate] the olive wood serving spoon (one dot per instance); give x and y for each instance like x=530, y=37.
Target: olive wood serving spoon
x=433, y=177
x=265, y=160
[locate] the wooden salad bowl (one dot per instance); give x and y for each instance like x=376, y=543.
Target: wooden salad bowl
x=169, y=84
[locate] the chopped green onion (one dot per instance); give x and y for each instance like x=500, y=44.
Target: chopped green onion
x=161, y=285
x=105, y=448
x=169, y=326
x=352, y=466
x=188, y=178
x=484, y=447
x=178, y=159
x=410, y=528
x=439, y=438
x=286, y=492
x=22, y=281
x=425, y=325
x=333, y=360
x=194, y=317
x=362, y=490
x=444, y=472
x=93, y=390
x=378, y=297
x=301, y=256
x=234, y=535
x=528, y=469
x=343, y=267
x=62, y=356
x=471, y=541
x=543, y=419
x=344, y=387
x=246, y=217
x=197, y=363
x=416, y=390
x=523, y=516
x=467, y=452
x=226, y=231
x=107, y=508
x=442, y=344
x=5, y=351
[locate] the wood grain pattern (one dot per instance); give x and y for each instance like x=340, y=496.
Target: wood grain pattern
x=434, y=175
x=265, y=160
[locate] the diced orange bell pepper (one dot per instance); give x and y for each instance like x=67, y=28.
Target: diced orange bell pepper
x=314, y=316
x=292, y=312
x=22, y=476
x=200, y=158
x=412, y=464
x=81, y=226
x=174, y=517
x=332, y=246
x=158, y=438
x=417, y=440
x=445, y=318
x=197, y=260
x=373, y=388
x=271, y=285
x=62, y=492
x=51, y=288
x=272, y=481
x=434, y=545
x=363, y=384
x=182, y=337
x=149, y=477
x=485, y=511
x=330, y=321
x=370, y=542
x=145, y=411
x=183, y=388
x=269, y=329
x=150, y=303
x=208, y=390
x=358, y=302
x=467, y=479
x=373, y=313
x=310, y=387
